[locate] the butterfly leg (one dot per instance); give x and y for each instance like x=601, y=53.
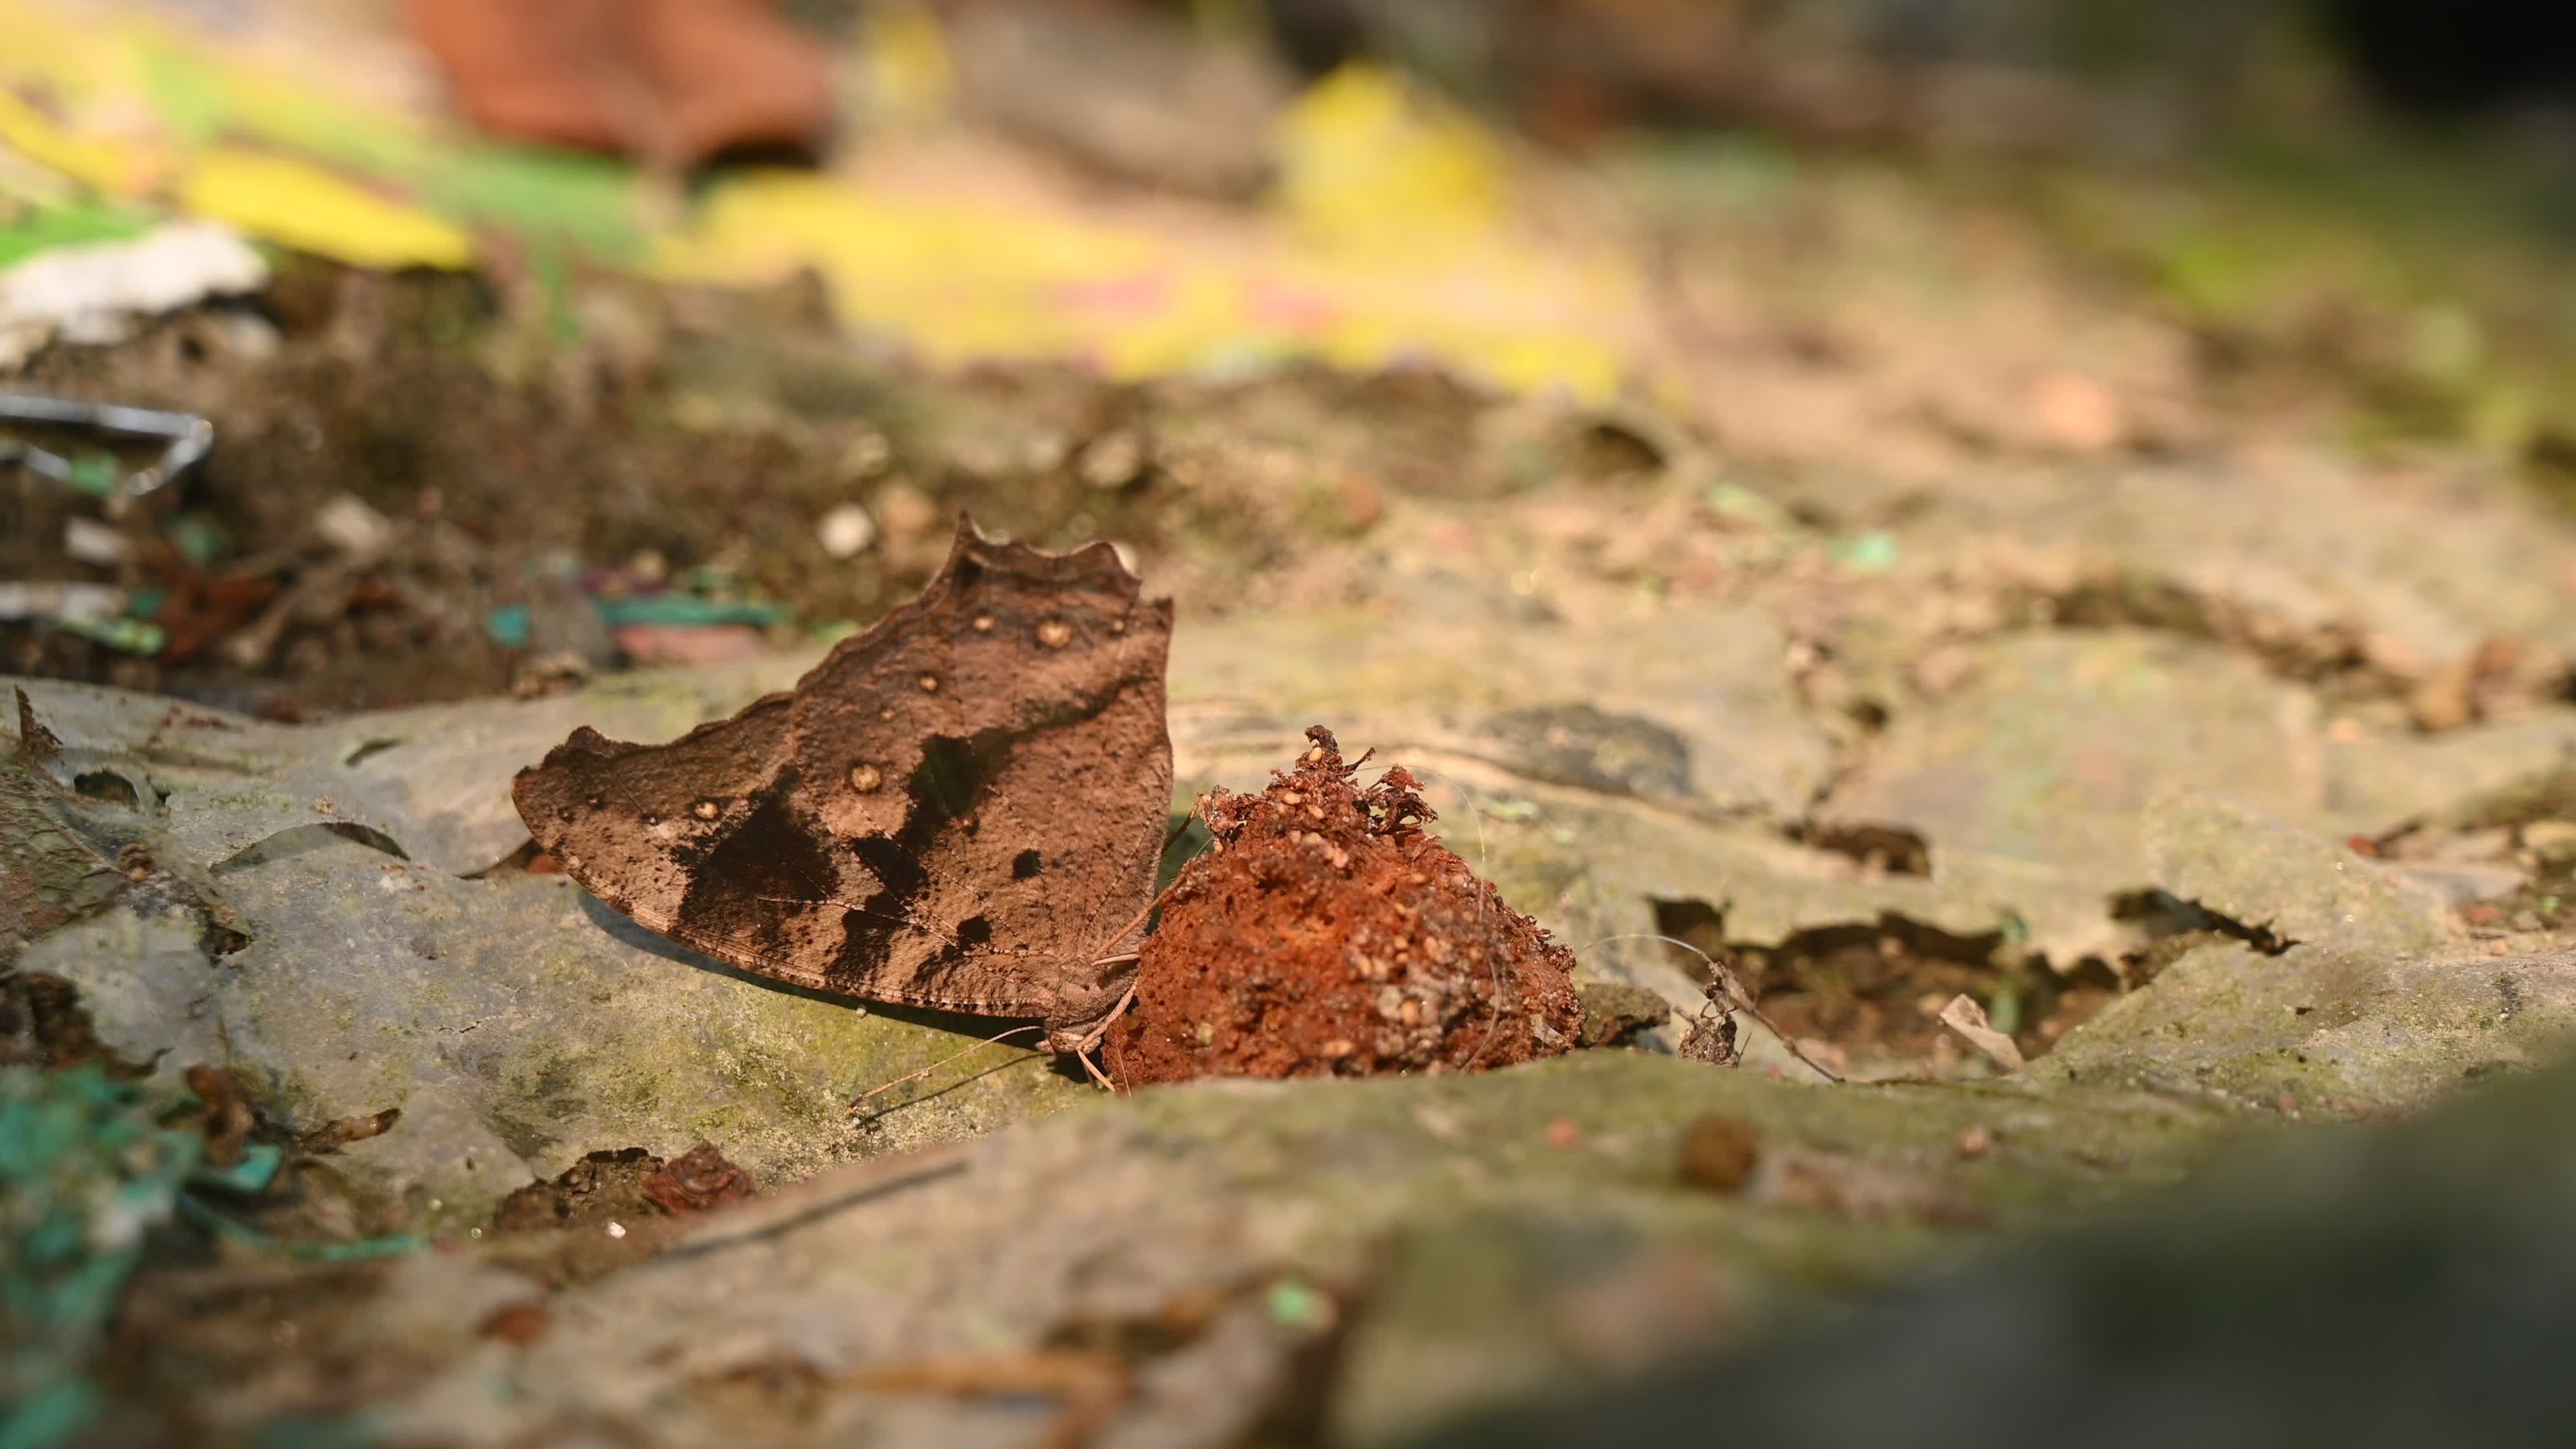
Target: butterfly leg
x=1097, y=1074
x=1091, y=1040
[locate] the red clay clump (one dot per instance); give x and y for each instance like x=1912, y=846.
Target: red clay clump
x=1324, y=934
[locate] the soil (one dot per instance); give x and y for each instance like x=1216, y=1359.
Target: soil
x=1324, y=933
x=680, y=447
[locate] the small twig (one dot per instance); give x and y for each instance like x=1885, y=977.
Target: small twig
x=1728, y=982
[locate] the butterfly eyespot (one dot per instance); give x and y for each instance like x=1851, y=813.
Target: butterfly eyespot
x=865, y=778
x=652, y=819
x=1055, y=633
x=886, y=713
x=706, y=810
x=930, y=684
x=564, y=813
x=1117, y=626
x=983, y=623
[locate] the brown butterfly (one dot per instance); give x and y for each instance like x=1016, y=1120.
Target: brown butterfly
x=961, y=808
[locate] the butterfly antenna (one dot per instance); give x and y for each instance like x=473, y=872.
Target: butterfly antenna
x=862, y=1099
x=1733, y=985
x=1138, y=924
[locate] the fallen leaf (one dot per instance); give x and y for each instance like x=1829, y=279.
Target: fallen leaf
x=302, y=206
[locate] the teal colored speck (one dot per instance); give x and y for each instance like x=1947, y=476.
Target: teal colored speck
x=199, y=540
x=508, y=626
x=1870, y=553
x=145, y=602
x=259, y=1163
x=1294, y=1303
x=128, y=636
x=686, y=610
x=96, y=475
x=49, y=1416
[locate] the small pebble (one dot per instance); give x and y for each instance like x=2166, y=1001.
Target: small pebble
x=905, y=512
x=845, y=530
x=1977, y=1141
x=1562, y=1133
x=349, y=524
x=1718, y=1153
x=93, y=542
x=1114, y=459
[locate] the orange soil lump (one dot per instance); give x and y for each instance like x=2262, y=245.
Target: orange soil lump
x=1326, y=934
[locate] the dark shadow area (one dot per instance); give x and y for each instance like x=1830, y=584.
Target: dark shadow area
x=2460, y=58
x=1891, y=848
x=2161, y=914
x=110, y=786
x=304, y=840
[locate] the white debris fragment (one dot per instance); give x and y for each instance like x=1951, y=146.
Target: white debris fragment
x=93, y=542
x=92, y=293
x=846, y=530
x=1964, y=1016
x=60, y=601
x=353, y=526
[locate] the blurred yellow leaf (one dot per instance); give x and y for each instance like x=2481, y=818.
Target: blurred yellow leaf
x=962, y=280
x=1366, y=159
x=297, y=205
x=113, y=167
x=907, y=77
x=76, y=60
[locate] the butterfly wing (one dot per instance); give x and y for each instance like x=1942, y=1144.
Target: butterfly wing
x=957, y=808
